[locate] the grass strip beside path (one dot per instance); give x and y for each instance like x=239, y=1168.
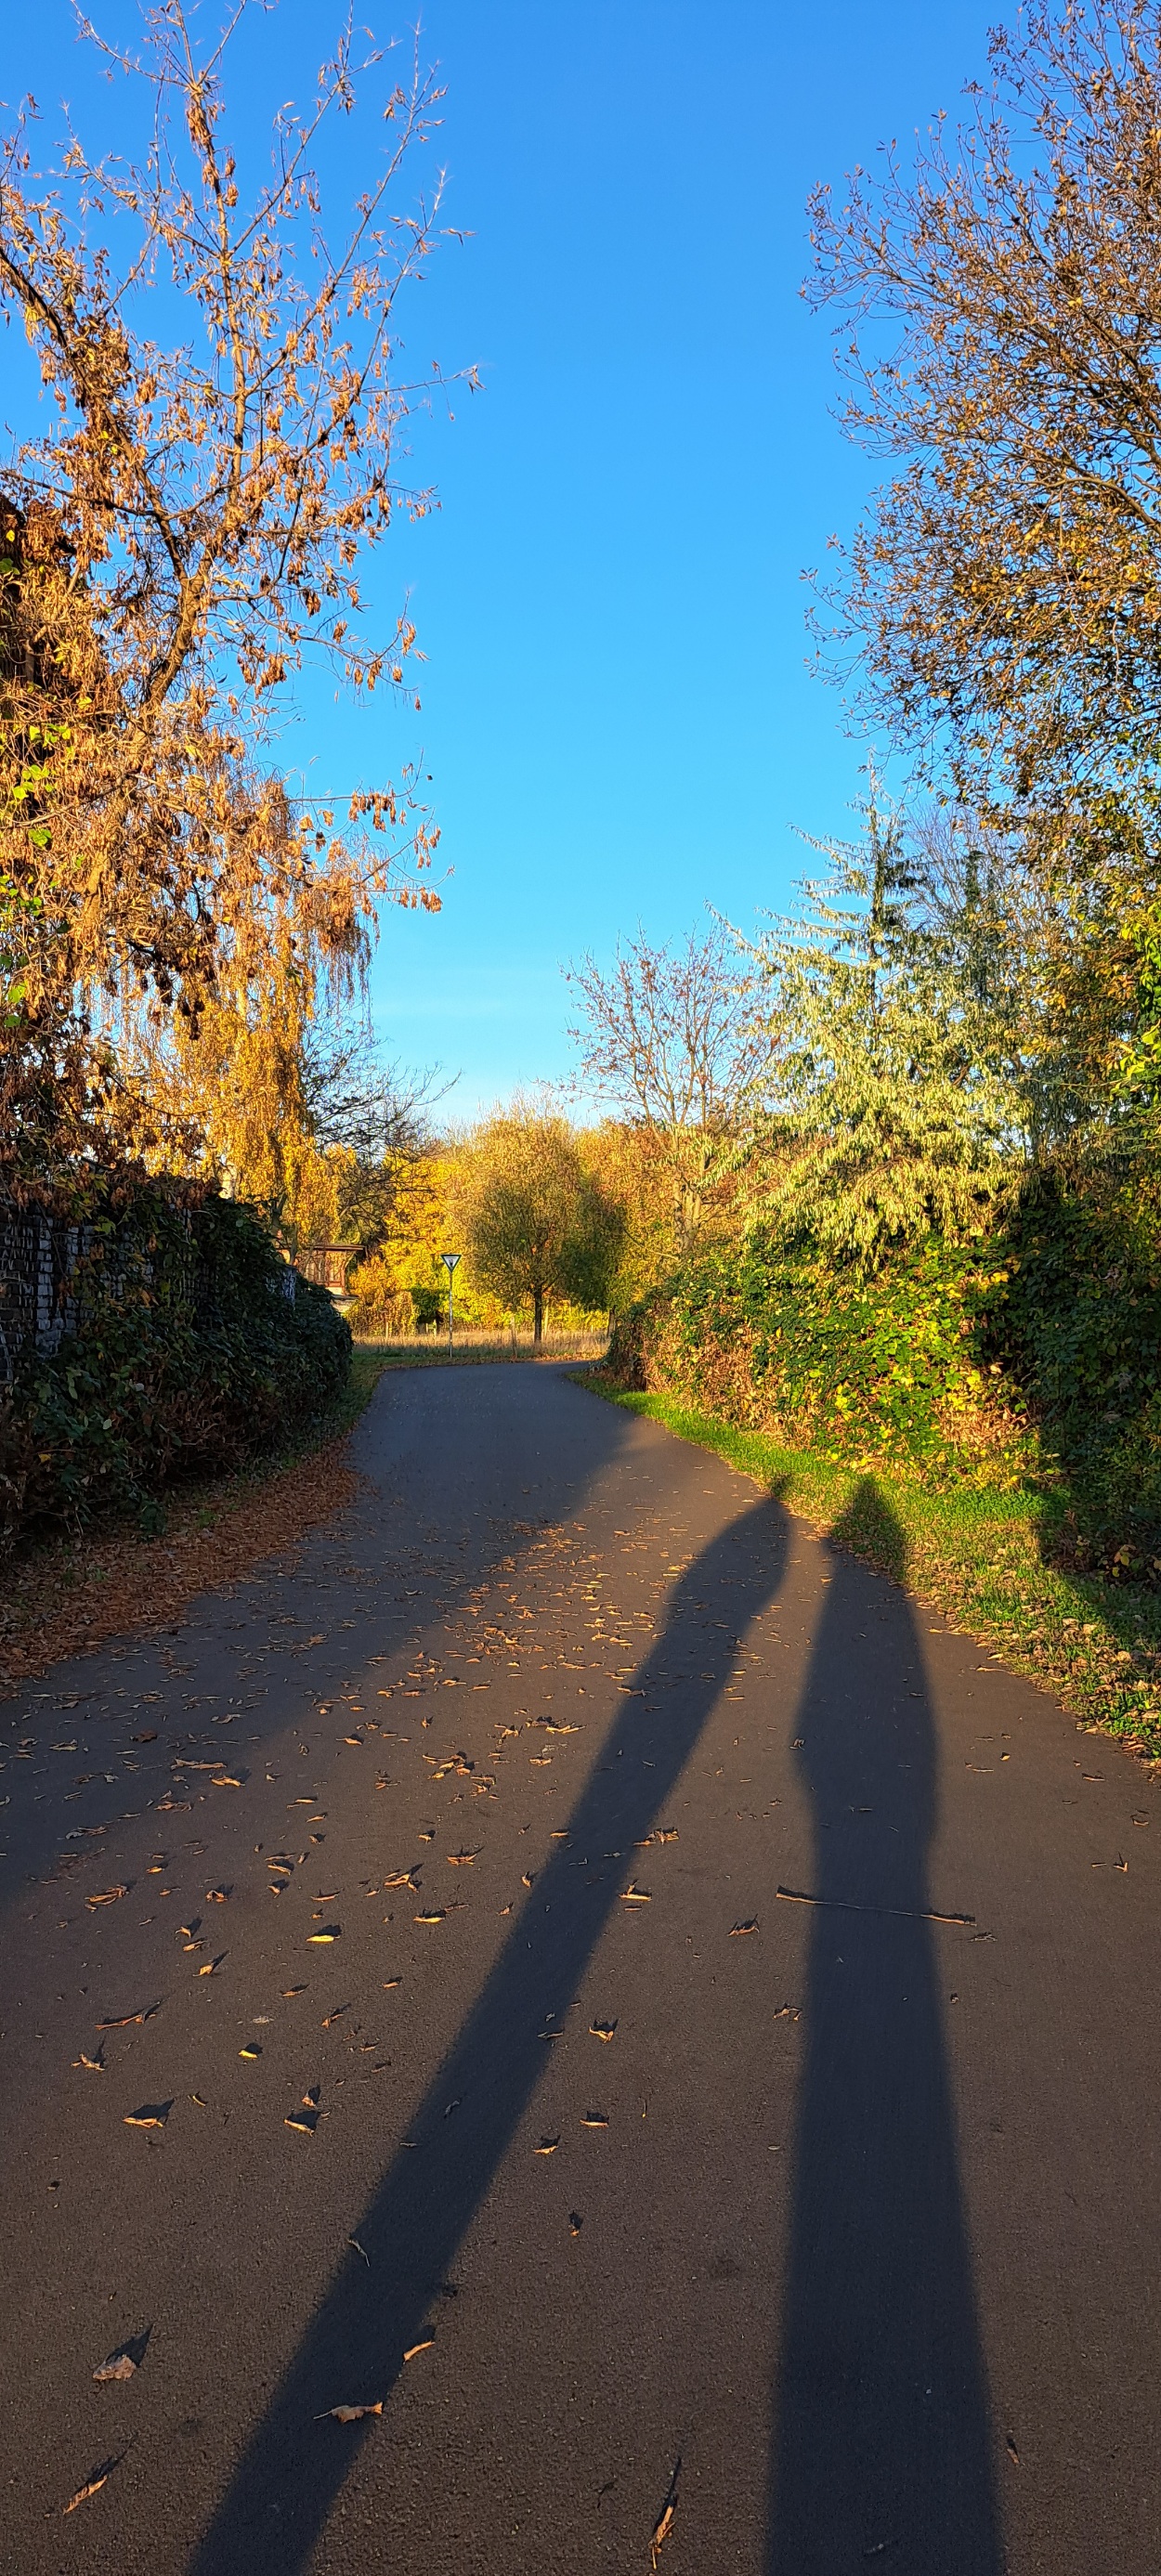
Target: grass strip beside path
x=978, y=1556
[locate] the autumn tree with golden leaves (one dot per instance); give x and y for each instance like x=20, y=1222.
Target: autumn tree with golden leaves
x=188, y=531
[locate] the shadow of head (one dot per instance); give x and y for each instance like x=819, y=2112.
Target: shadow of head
x=869, y=1528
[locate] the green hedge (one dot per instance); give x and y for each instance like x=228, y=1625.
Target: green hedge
x=1031, y=1358
x=185, y=1353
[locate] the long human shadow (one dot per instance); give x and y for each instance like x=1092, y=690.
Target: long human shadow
x=285, y=2486
x=882, y=2447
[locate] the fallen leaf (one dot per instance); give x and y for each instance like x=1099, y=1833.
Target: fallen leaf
x=91, y=2487
x=547, y=2147
x=413, y=2348
x=355, y=1739
x=96, y=2065
x=306, y=2121
x=661, y=2531
x=575, y=2222
x=664, y=2523
x=634, y=1895
x=125, y=2362
x=200, y=2099
x=288, y=1991
x=739, y=1929
x=601, y=2029
x=107, y=1896
x=226, y=1780
x=211, y=1966
x=311, y=2096
x=149, y=1738
x=460, y=1859
x=594, y=2120
x=666, y=1834
x=331, y=1934
x=402, y=1878
x=1011, y=2450
x=350, y=2414
x=217, y=1895
x=149, y=2115
x=439, y=1916
x=249, y=2052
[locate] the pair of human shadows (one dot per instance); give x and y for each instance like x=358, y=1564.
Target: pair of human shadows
x=882, y=2447
x=281, y=2496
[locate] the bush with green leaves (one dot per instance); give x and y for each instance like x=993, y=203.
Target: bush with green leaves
x=184, y=1352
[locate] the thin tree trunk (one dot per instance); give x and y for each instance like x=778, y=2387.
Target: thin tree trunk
x=538, y=1314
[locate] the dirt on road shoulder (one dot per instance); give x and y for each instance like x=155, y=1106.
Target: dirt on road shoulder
x=69, y=1593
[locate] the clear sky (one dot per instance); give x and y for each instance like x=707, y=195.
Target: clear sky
x=618, y=716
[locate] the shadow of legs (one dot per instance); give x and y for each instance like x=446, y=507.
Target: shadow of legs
x=882, y=2444
x=283, y=2492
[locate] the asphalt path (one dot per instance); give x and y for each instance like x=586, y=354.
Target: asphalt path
x=401, y=2009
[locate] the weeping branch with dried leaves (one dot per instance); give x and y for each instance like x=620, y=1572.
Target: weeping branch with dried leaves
x=183, y=538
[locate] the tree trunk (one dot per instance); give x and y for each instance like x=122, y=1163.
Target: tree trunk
x=538, y=1314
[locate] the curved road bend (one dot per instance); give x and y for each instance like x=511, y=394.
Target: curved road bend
x=841, y=2241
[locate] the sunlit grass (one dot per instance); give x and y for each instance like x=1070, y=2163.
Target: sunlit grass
x=981, y=1557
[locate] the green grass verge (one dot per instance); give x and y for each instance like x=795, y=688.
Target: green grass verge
x=979, y=1556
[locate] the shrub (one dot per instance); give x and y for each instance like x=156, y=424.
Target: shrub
x=184, y=1342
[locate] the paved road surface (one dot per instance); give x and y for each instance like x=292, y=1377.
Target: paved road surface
x=845, y=2241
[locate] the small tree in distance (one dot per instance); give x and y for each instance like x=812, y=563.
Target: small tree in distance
x=671, y=1038
x=536, y=1225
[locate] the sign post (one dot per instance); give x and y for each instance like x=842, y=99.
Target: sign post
x=451, y=1261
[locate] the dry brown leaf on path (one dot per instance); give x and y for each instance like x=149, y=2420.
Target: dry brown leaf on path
x=739, y=1930
x=594, y=2120
x=661, y=2531
x=107, y=1895
x=350, y=2414
x=439, y=1916
x=575, y=2222
x=93, y=2485
x=331, y=1934
x=125, y=2362
x=547, y=2147
x=96, y=2065
x=636, y=1896
x=217, y=1895
x=149, y=2115
x=664, y=2523
x=304, y=2121
x=288, y=1991
x=249, y=2052
x=601, y=2029
x=211, y=1966
x=413, y=2348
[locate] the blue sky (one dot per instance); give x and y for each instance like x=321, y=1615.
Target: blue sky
x=618, y=716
